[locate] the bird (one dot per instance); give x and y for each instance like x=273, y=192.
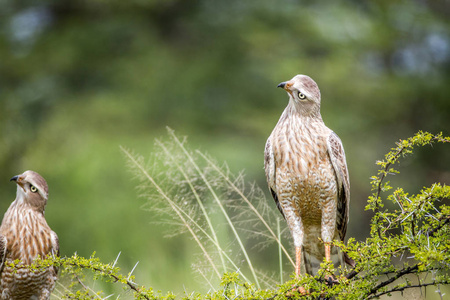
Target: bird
x=307, y=174
x=24, y=236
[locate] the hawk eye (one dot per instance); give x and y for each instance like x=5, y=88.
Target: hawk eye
x=301, y=95
x=33, y=189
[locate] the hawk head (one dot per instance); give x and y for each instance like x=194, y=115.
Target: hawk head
x=32, y=189
x=304, y=94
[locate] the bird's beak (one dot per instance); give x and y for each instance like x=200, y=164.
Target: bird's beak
x=282, y=85
x=286, y=86
x=18, y=179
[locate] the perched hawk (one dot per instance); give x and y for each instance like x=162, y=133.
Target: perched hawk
x=307, y=174
x=25, y=235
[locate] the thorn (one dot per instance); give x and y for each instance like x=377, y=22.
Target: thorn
x=132, y=271
x=117, y=258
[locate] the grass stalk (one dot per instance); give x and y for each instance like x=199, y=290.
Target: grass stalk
x=207, y=280
x=173, y=206
x=219, y=203
x=280, y=255
x=200, y=203
x=252, y=207
x=213, y=241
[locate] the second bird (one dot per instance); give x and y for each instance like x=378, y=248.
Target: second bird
x=25, y=235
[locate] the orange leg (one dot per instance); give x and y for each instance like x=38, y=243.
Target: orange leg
x=327, y=252
x=328, y=259
x=298, y=261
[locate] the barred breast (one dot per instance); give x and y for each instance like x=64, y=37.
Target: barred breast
x=305, y=178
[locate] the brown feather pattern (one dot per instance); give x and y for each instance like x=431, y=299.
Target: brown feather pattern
x=307, y=174
x=25, y=235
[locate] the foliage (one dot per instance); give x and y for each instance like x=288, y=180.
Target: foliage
x=76, y=267
x=410, y=238
x=407, y=247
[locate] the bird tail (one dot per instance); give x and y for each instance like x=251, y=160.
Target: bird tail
x=312, y=263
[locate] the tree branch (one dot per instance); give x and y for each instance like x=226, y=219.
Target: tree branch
x=432, y=231
x=131, y=285
x=400, y=289
x=395, y=277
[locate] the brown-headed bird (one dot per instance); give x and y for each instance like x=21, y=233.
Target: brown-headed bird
x=307, y=174
x=25, y=235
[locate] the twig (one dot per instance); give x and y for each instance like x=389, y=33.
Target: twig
x=395, y=277
x=400, y=289
x=432, y=231
x=379, y=188
x=130, y=284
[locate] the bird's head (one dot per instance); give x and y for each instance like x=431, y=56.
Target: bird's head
x=304, y=94
x=31, y=189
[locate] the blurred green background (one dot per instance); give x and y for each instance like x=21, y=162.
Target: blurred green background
x=80, y=78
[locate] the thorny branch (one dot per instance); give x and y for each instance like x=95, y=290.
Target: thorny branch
x=393, y=159
x=402, y=288
x=399, y=274
x=402, y=272
x=432, y=231
x=131, y=285
x=384, y=173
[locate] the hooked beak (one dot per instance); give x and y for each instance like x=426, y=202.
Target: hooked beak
x=18, y=179
x=286, y=85
x=282, y=84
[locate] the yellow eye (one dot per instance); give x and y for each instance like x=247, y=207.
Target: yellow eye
x=33, y=189
x=301, y=95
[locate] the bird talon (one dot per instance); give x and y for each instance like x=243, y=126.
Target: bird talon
x=302, y=290
x=297, y=289
x=330, y=280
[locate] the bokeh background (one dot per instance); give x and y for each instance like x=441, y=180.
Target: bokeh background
x=78, y=79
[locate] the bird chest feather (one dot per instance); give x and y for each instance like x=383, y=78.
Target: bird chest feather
x=33, y=242
x=304, y=175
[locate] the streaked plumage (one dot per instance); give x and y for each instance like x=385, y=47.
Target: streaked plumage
x=25, y=235
x=307, y=174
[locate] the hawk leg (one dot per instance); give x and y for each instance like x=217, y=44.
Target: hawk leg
x=298, y=261
x=329, y=278
x=328, y=252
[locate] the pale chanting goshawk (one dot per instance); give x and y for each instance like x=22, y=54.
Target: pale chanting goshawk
x=25, y=235
x=307, y=174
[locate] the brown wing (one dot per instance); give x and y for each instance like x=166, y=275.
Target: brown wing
x=55, y=249
x=269, y=167
x=2, y=251
x=337, y=156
